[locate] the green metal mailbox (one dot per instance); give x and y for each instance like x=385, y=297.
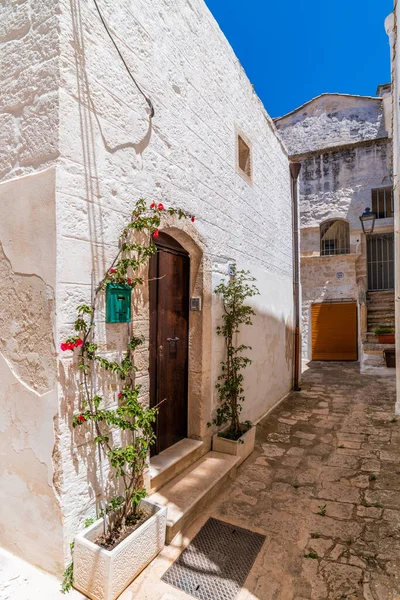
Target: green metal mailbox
x=118, y=303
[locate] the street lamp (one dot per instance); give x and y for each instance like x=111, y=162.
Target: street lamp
x=368, y=221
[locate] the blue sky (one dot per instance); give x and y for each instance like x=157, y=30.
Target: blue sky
x=295, y=50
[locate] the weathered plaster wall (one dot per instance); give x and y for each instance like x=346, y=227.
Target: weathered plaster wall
x=30, y=516
x=111, y=154
x=338, y=183
x=332, y=120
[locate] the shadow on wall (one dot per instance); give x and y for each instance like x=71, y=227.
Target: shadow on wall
x=88, y=117
x=266, y=382
x=269, y=378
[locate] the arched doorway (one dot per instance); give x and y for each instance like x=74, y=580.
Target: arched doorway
x=169, y=278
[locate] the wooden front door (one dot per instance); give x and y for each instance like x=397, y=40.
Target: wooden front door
x=169, y=318
x=334, y=331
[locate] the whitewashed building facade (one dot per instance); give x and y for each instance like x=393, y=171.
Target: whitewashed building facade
x=78, y=148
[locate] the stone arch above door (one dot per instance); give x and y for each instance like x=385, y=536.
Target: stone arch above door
x=200, y=384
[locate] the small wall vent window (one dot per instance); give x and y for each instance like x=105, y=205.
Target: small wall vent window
x=244, y=157
x=335, y=237
x=382, y=202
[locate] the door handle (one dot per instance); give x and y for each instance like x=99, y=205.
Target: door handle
x=172, y=344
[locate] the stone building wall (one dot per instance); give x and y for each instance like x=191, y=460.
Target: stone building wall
x=332, y=120
x=30, y=512
x=345, y=152
x=92, y=121
x=112, y=154
x=392, y=24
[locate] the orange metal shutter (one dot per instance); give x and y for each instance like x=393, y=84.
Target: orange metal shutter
x=334, y=331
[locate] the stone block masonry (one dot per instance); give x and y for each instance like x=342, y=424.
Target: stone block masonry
x=343, y=145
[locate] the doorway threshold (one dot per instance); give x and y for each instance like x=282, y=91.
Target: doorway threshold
x=172, y=461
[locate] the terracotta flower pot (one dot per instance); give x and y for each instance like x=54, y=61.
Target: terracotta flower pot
x=386, y=338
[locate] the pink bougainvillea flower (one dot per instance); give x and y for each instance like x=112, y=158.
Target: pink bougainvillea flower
x=70, y=345
x=160, y=206
x=120, y=395
x=153, y=205
x=64, y=347
x=112, y=271
x=155, y=234
x=129, y=281
x=78, y=343
x=193, y=219
x=81, y=419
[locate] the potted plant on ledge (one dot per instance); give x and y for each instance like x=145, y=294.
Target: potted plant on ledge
x=130, y=529
x=385, y=335
x=235, y=438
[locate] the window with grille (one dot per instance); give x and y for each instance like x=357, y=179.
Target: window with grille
x=244, y=157
x=335, y=237
x=382, y=202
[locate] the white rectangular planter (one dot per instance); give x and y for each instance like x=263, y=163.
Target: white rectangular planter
x=103, y=574
x=235, y=448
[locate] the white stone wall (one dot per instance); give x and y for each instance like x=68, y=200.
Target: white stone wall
x=30, y=513
x=332, y=120
x=72, y=104
x=392, y=24
x=29, y=41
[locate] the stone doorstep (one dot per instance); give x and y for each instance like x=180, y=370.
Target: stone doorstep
x=172, y=461
x=191, y=491
x=370, y=348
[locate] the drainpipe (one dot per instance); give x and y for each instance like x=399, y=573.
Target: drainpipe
x=294, y=174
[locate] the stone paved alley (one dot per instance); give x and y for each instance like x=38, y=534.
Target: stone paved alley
x=323, y=485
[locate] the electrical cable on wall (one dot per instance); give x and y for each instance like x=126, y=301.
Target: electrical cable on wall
x=149, y=102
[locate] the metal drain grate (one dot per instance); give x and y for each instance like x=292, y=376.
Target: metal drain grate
x=217, y=561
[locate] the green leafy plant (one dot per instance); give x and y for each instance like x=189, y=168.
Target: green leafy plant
x=383, y=330
x=312, y=555
x=315, y=536
x=372, y=477
x=128, y=451
x=68, y=575
x=322, y=510
x=230, y=382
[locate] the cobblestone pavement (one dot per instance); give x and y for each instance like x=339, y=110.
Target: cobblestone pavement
x=323, y=485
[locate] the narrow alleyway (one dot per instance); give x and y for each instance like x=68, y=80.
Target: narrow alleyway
x=324, y=487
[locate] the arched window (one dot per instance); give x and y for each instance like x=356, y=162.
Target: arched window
x=335, y=237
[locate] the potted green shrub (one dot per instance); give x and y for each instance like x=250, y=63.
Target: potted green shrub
x=385, y=335
x=235, y=438
x=129, y=530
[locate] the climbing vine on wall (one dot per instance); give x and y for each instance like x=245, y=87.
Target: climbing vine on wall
x=230, y=382
x=130, y=416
